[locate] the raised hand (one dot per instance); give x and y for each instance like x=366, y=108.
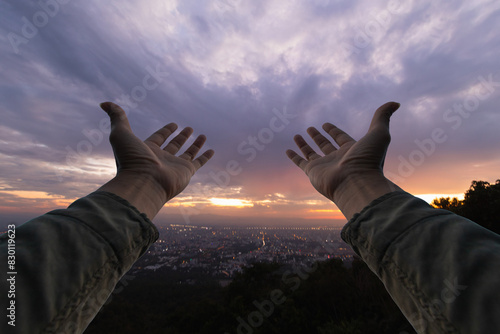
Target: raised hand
x=351, y=175
x=147, y=174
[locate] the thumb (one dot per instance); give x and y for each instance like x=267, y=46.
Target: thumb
x=116, y=115
x=379, y=128
x=383, y=115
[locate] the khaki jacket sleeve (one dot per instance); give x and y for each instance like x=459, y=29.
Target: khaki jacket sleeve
x=442, y=270
x=67, y=263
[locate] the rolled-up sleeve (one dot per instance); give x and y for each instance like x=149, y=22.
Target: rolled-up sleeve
x=67, y=262
x=442, y=270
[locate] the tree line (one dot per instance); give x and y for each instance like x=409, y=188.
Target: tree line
x=481, y=204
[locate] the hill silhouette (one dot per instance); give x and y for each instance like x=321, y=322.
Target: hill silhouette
x=324, y=297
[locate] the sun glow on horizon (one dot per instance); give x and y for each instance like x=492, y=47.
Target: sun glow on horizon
x=324, y=210
x=36, y=200
x=239, y=203
x=430, y=197
x=325, y=214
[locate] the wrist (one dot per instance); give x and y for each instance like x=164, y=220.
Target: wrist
x=358, y=191
x=140, y=190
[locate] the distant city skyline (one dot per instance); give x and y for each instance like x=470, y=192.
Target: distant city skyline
x=222, y=252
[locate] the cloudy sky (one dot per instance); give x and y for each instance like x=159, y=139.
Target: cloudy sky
x=249, y=75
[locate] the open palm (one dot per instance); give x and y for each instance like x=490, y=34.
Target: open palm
x=135, y=157
x=352, y=161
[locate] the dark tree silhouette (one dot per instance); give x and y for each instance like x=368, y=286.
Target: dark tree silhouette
x=481, y=204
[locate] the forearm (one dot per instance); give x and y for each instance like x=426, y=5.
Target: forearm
x=358, y=191
x=142, y=191
x=441, y=269
x=69, y=261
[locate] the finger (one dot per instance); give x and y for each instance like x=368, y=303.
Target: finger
x=175, y=144
x=382, y=116
x=193, y=150
x=159, y=137
x=202, y=159
x=116, y=115
x=338, y=135
x=304, y=147
x=323, y=143
x=297, y=159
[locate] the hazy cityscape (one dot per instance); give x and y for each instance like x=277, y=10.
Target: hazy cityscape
x=221, y=252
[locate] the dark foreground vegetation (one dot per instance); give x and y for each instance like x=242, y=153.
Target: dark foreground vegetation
x=322, y=298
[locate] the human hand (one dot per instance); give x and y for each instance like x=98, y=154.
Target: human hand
x=147, y=174
x=352, y=174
